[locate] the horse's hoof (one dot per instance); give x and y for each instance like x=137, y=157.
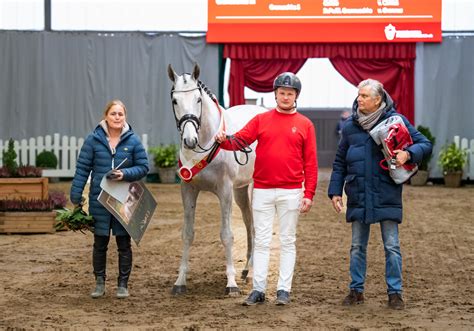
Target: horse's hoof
x=178, y=290
x=244, y=275
x=232, y=291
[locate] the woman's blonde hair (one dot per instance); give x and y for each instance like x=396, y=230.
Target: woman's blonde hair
x=113, y=103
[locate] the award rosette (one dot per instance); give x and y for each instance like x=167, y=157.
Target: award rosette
x=185, y=173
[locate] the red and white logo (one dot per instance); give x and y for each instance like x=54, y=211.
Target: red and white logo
x=390, y=32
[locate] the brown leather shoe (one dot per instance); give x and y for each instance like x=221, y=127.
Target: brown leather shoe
x=395, y=301
x=354, y=298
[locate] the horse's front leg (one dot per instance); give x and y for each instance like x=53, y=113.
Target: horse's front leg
x=189, y=196
x=241, y=196
x=227, y=237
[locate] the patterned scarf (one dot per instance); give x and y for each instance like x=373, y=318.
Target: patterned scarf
x=367, y=121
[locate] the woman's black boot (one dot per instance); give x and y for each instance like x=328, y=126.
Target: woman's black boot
x=125, y=265
x=99, y=261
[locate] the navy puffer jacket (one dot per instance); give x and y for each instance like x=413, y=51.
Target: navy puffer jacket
x=372, y=194
x=96, y=159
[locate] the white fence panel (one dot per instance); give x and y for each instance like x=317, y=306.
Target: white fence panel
x=468, y=145
x=65, y=148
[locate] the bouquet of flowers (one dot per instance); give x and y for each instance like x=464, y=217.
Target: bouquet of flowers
x=74, y=219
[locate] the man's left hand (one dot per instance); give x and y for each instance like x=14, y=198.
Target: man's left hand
x=305, y=205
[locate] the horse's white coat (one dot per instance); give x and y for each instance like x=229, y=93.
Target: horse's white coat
x=223, y=176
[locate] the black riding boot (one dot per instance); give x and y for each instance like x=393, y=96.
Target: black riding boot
x=125, y=264
x=99, y=261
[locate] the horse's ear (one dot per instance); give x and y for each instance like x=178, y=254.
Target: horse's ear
x=196, y=71
x=172, y=74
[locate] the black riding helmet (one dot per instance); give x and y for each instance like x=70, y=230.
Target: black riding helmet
x=287, y=79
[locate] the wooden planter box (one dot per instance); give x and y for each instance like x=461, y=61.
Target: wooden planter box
x=24, y=188
x=27, y=222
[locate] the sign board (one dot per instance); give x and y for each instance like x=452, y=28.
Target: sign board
x=132, y=204
x=293, y=21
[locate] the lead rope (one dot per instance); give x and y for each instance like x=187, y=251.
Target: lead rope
x=242, y=147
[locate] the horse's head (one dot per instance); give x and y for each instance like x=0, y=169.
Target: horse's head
x=186, y=99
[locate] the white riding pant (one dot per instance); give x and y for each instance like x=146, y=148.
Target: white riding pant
x=285, y=203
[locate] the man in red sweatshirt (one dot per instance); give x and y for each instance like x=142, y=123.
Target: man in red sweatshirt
x=285, y=159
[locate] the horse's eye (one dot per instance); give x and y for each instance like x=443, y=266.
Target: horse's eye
x=175, y=102
x=199, y=99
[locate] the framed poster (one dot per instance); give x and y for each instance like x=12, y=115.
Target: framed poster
x=132, y=204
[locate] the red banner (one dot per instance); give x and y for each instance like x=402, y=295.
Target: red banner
x=276, y=21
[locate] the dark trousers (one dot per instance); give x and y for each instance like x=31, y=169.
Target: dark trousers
x=99, y=257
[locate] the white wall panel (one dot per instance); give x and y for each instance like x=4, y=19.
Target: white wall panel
x=128, y=15
x=457, y=15
x=22, y=14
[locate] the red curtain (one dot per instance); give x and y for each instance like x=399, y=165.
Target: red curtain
x=256, y=65
x=257, y=75
x=329, y=50
x=397, y=76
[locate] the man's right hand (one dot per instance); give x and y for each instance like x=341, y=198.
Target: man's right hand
x=337, y=203
x=221, y=137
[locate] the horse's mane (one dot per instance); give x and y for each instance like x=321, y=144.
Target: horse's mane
x=207, y=90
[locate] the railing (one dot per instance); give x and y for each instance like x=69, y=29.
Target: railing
x=65, y=148
x=468, y=145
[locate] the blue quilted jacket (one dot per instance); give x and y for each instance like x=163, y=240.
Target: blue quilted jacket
x=96, y=159
x=372, y=194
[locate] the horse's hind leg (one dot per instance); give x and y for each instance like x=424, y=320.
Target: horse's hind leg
x=227, y=237
x=241, y=196
x=189, y=195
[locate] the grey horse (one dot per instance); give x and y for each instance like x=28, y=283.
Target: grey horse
x=198, y=118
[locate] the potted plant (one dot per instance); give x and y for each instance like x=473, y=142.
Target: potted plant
x=452, y=160
x=421, y=177
x=19, y=215
x=46, y=159
x=20, y=182
x=165, y=158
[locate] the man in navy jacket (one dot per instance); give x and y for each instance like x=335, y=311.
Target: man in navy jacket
x=372, y=195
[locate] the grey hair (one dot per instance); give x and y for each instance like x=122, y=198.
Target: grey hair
x=375, y=86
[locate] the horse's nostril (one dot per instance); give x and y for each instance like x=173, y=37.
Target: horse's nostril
x=190, y=143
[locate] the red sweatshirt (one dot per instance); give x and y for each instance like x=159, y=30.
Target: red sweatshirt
x=286, y=151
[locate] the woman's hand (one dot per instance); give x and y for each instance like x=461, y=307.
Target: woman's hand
x=401, y=157
x=115, y=175
x=337, y=203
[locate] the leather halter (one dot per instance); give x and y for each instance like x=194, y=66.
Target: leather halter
x=193, y=119
x=189, y=170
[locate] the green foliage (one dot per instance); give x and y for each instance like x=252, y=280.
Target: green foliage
x=9, y=158
x=75, y=220
x=452, y=158
x=165, y=156
x=427, y=133
x=47, y=159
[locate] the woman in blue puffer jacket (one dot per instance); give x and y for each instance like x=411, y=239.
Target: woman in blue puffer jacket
x=112, y=143
x=373, y=197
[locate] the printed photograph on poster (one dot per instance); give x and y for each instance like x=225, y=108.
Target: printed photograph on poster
x=132, y=205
